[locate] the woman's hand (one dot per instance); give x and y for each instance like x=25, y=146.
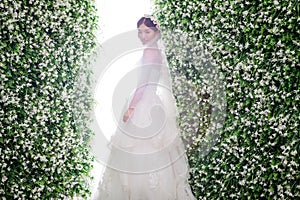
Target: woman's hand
x=128, y=114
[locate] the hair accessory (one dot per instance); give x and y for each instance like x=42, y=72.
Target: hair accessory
x=153, y=19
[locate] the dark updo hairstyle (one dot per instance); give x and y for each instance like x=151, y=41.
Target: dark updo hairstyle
x=148, y=22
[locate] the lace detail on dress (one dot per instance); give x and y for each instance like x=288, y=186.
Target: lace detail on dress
x=105, y=187
x=154, y=180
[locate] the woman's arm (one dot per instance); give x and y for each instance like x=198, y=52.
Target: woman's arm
x=151, y=58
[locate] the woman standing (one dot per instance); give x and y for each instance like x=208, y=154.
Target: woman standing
x=147, y=159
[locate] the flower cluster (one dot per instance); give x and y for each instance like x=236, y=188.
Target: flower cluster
x=255, y=46
x=45, y=99
x=153, y=19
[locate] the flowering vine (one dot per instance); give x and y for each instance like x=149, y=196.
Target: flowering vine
x=45, y=99
x=255, y=45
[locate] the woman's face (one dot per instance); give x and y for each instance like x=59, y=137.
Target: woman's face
x=146, y=34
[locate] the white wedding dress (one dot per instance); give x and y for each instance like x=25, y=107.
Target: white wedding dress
x=147, y=158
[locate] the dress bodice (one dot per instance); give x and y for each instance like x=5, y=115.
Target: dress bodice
x=148, y=77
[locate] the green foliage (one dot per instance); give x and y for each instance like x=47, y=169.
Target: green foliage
x=45, y=99
x=255, y=45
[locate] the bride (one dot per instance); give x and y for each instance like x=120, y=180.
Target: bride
x=147, y=158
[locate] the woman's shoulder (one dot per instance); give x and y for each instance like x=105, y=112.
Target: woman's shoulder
x=152, y=55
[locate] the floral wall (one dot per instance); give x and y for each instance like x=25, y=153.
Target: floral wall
x=44, y=98
x=255, y=46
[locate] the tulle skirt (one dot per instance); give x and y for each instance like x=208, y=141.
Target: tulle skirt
x=147, y=159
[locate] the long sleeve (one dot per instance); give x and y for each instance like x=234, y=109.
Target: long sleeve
x=148, y=76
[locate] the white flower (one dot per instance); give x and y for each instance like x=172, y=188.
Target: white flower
x=10, y=27
x=4, y=178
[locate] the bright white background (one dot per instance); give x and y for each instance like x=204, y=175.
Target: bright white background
x=115, y=17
